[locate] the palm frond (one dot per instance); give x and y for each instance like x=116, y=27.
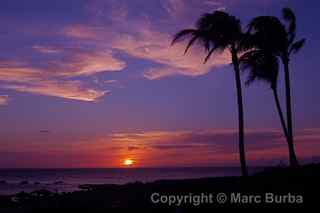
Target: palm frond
x=190, y=43
x=208, y=21
x=183, y=34
x=264, y=23
x=269, y=34
x=209, y=54
x=247, y=42
x=296, y=46
x=221, y=28
x=214, y=31
x=262, y=65
x=289, y=16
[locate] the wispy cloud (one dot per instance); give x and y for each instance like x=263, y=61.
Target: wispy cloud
x=14, y=71
x=20, y=77
x=64, y=89
x=82, y=31
x=46, y=49
x=218, y=140
x=89, y=48
x=86, y=63
x=214, y=3
x=155, y=46
x=211, y=147
x=174, y=8
x=79, y=61
x=264, y=145
x=137, y=37
x=145, y=43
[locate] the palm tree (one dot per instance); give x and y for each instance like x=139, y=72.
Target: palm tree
x=216, y=32
x=264, y=66
x=280, y=39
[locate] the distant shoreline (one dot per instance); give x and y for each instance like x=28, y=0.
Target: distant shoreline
x=66, y=180
x=280, y=181
x=59, y=185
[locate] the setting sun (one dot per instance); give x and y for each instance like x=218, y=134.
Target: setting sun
x=128, y=162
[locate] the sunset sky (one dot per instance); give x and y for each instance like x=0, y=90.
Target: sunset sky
x=90, y=83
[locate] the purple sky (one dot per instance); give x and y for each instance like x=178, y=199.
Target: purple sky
x=88, y=83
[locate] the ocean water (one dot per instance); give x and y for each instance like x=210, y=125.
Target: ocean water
x=64, y=180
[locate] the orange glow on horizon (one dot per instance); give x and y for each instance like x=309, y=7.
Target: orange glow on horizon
x=128, y=162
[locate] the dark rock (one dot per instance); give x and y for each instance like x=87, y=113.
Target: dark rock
x=42, y=193
x=58, y=182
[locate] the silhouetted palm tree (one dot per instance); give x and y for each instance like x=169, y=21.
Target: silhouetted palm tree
x=216, y=32
x=280, y=39
x=263, y=65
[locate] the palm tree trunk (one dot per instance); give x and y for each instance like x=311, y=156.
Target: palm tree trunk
x=243, y=163
x=292, y=154
x=283, y=123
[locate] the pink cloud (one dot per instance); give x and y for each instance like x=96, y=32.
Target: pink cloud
x=46, y=49
x=64, y=89
x=106, y=34
x=4, y=100
x=87, y=63
x=175, y=8
x=156, y=47
x=78, y=61
x=13, y=71
x=157, y=73
x=145, y=43
x=80, y=31
x=263, y=145
x=137, y=37
x=54, y=79
x=211, y=147
x=20, y=77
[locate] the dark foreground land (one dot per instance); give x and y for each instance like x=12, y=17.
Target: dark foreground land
x=277, y=187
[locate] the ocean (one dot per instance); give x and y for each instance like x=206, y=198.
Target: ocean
x=64, y=180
